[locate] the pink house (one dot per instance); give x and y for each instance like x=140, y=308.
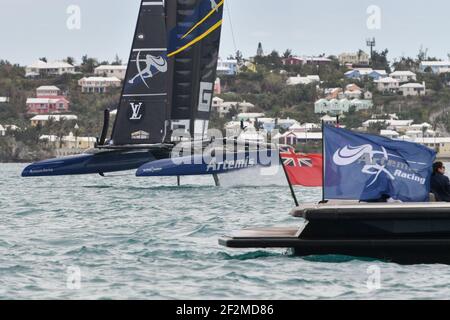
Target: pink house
x=47, y=104
x=217, y=86
x=293, y=61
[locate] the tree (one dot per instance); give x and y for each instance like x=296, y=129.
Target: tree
x=380, y=60
x=352, y=119
x=287, y=54
x=406, y=64
x=239, y=57
x=117, y=61
x=376, y=127
x=423, y=54
x=70, y=60
x=88, y=65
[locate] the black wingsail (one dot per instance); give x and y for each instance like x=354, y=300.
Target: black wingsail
x=171, y=71
x=194, y=40
x=142, y=112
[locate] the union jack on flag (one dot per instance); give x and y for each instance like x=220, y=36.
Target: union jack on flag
x=303, y=169
x=295, y=160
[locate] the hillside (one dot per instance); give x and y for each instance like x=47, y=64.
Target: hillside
x=265, y=87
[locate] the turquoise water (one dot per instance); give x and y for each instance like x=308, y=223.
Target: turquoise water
x=128, y=238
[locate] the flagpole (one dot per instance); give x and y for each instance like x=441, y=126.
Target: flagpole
x=287, y=178
x=323, y=162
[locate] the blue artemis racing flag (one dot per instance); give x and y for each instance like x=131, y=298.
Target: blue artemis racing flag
x=368, y=167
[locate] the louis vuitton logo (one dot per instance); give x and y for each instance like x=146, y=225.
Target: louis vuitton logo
x=136, y=111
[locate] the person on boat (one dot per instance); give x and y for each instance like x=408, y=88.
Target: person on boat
x=440, y=183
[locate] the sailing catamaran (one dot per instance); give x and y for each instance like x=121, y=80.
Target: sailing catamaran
x=168, y=86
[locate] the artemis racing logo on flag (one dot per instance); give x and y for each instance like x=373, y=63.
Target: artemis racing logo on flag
x=377, y=162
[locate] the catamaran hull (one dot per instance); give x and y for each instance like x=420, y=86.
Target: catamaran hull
x=406, y=234
x=96, y=163
x=404, y=251
x=197, y=165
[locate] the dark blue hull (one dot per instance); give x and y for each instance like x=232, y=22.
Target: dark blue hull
x=197, y=165
x=98, y=162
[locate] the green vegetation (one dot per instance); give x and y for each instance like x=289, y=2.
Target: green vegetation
x=24, y=144
x=266, y=89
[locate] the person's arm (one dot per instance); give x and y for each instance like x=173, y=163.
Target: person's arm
x=446, y=186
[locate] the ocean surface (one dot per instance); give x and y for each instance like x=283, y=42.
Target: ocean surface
x=121, y=237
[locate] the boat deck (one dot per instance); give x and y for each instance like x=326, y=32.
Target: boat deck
x=403, y=251
x=262, y=238
x=373, y=211
x=403, y=233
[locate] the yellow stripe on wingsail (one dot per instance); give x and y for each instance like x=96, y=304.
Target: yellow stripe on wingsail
x=204, y=35
x=204, y=19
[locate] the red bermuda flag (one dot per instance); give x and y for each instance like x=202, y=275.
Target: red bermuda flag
x=303, y=169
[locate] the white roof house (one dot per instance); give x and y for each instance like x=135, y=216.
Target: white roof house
x=404, y=76
x=286, y=123
x=437, y=67
x=111, y=71
x=98, y=84
x=42, y=88
x=43, y=100
x=293, y=81
x=421, y=126
x=396, y=125
x=4, y=99
x=40, y=68
x=387, y=84
x=327, y=119
x=47, y=91
x=389, y=134
x=227, y=67
x=293, y=137
x=413, y=89
x=250, y=116
x=242, y=107
x=304, y=127
x=44, y=118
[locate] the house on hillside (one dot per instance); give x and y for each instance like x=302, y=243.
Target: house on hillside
x=42, y=68
x=298, y=80
x=48, y=91
x=98, y=84
x=361, y=73
x=111, y=71
x=48, y=100
x=43, y=105
x=228, y=67
x=337, y=107
x=387, y=85
x=403, y=76
x=436, y=67
x=292, y=61
x=413, y=89
x=356, y=58
x=43, y=119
